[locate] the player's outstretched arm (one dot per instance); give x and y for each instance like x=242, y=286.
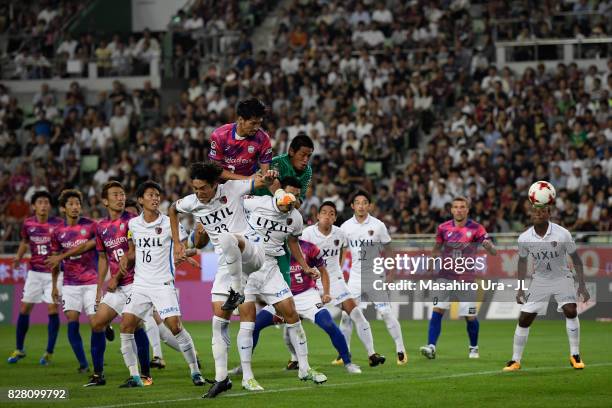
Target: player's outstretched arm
x=179, y=247
x=488, y=245
x=296, y=252
x=54, y=260
x=522, y=273
x=265, y=178
x=578, y=266
x=23, y=247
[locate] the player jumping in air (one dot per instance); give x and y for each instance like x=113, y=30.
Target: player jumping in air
x=219, y=208
x=80, y=271
x=332, y=241
x=150, y=243
x=243, y=147
x=468, y=234
x=362, y=231
x=310, y=305
x=36, y=234
x=276, y=220
x=548, y=245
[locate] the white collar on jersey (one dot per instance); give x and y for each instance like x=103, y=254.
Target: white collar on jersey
x=321, y=234
x=548, y=231
x=158, y=220
x=366, y=221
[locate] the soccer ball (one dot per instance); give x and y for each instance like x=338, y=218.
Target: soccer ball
x=542, y=193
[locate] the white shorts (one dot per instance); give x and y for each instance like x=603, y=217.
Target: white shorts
x=540, y=291
x=38, y=287
x=467, y=304
x=79, y=297
x=354, y=286
x=339, y=291
x=116, y=300
x=253, y=258
x=308, y=304
x=143, y=298
x=268, y=283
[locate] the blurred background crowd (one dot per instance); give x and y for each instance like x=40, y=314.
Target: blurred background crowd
x=401, y=98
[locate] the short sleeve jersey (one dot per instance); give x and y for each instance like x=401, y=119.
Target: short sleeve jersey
x=240, y=155
x=79, y=269
x=38, y=234
x=112, y=239
x=331, y=247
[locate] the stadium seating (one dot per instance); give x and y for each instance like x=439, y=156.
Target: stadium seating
x=405, y=101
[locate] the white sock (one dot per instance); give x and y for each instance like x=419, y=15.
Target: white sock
x=346, y=327
x=573, y=334
x=364, y=331
x=167, y=337
x=298, y=339
x=130, y=354
x=287, y=339
x=153, y=336
x=233, y=259
x=188, y=349
x=220, y=346
x=520, y=339
x=395, y=330
x=245, y=348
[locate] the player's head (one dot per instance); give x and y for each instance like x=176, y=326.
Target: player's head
x=132, y=206
x=250, y=114
x=70, y=202
x=300, y=150
x=41, y=203
x=540, y=215
x=149, y=195
x=291, y=185
x=460, y=207
x=113, y=196
x=360, y=203
x=327, y=214
x=205, y=178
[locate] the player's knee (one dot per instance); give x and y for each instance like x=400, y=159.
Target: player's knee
x=525, y=319
x=128, y=324
x=26, y=308
x=96, y=324
x=470, y=318
x=174, y=325
x=324, y=320
x=570, y=311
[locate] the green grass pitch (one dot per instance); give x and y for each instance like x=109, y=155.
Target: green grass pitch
x=545, y=381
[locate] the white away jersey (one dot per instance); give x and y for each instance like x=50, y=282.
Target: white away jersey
x=331, y=247
x=224, y=212
x=371, y=233
x=154, y=252
x=548, y=253
x=272, y=225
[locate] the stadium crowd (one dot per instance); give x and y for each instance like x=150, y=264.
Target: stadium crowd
x=414, y=111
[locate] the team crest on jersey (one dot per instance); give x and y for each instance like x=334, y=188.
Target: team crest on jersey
x=289, y=221
x=122, y=226
x=468, y=234
x=251, y=149
x=371, y=232
x=213, y=145
x=158, y=230
x=223, y=200
x=83, y=231
x=554, y=243
x=336, y=242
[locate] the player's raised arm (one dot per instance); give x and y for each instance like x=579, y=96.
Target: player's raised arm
x=264, y=178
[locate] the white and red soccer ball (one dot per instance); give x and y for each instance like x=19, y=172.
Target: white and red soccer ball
x=542, y=193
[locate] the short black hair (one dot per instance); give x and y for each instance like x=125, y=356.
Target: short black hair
x=133, y=203
x=251, y=108
x=291, y=181
x=41, y=194
x=361, y=193
x=110, y=184
x=67, y=194
x=328, y=204
x=301, y=140
x=209, y=172
x=140, y=192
